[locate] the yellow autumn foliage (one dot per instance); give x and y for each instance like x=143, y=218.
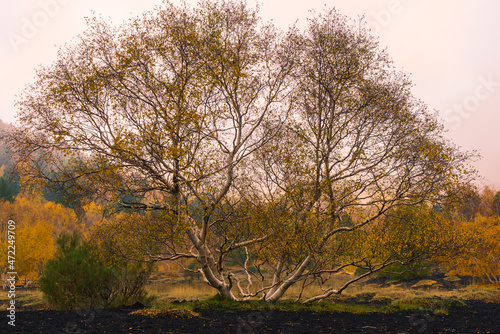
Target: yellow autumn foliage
x=34, y=247
x=482, y=257
x=37, y=225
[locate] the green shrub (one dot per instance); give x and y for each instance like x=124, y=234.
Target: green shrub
x=128, y=287
x=78, y=278
x=419, y=269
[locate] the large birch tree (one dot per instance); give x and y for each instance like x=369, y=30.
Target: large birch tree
x=229, y=137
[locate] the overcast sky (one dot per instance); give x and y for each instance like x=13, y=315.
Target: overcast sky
x=451, y=48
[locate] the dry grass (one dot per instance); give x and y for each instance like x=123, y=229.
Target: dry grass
x=489, y=294
x=358, y=298
x=25, y=298
x=191, y=291
x=188, y=291
x=167, y=312
x=370, y=296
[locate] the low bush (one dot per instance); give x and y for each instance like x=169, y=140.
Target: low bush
x=79, y=278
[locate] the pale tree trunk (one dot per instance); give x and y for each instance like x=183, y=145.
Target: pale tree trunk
x=277, y=292
x=208, y=267
x=276, y=278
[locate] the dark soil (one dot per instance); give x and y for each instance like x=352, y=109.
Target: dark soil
x=476, y=317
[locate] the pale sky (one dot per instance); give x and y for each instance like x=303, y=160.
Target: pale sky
x=451, y=48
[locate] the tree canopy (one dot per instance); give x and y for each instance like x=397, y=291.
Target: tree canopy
x=229, y=135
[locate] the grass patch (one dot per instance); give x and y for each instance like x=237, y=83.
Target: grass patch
x=189, y=309
x=219, y=303
x=186, y=299
x=180, y=291
x=168, y=311
x=359, y=299
x=436, y=305
x=27, y=299
x=360, y=306
x=489, y=295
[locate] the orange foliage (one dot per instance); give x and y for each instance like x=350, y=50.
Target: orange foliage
x=482, y=258
x=37, y=225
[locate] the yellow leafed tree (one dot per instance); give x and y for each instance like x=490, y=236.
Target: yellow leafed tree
x=482, y=258
x=37, y=225
x=35, y=246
